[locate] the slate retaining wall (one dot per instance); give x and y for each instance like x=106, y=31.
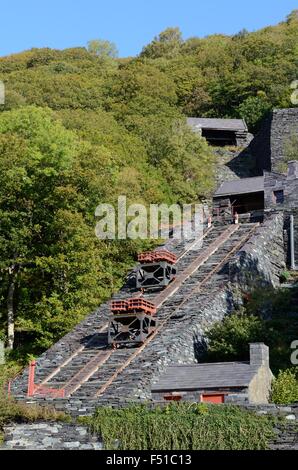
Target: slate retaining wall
x=262, y=259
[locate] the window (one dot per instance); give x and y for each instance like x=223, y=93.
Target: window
x=278, y=197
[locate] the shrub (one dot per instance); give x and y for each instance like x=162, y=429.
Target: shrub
x=285, y=276
x=285, y=387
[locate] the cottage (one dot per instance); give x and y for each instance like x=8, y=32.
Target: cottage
x=224, y=382
x=221, y=132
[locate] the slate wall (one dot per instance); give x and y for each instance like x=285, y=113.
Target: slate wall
x=268, y=147
x=284, y=124
x=262, y=259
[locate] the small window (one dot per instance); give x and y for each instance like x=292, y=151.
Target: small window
x=172, y=397
x=278, y=197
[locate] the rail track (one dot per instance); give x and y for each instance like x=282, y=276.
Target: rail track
x=92, y=368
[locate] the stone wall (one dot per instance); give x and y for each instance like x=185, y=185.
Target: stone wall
x=260, y=386
x=234, y=163
x=49, y=436
x=272, y=182
x=295, y=213
x=262, y=259
x=285, y=429
x=291, y=193
x=261, y=146
x=284, y=124
x=269, y=145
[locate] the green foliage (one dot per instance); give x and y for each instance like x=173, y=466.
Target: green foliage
x=269, y=317
x=166, y=44
x=102, y=49
x=291, y=151
x=181, y=426
x=285, y=387
x=285, y=276
x=229, y=340
x=253, y=110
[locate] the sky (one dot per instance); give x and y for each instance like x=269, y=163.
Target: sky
x=130, y=24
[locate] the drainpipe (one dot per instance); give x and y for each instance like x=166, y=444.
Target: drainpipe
x=292, y=243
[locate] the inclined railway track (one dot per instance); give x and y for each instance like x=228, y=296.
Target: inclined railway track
x=86, y=353
x=94, y=367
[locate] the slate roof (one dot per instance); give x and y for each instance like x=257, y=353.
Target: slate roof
x=242, y=186
x=218, y=124
x=205, y=376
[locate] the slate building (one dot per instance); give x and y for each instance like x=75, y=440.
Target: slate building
x=221, y=132
x=224, y=382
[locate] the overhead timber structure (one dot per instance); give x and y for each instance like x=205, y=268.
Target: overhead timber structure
x=115, y=353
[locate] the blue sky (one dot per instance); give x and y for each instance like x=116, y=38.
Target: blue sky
x=129, y=23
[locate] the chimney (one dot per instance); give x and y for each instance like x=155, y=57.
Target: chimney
x=259, y=354
x=292, y=170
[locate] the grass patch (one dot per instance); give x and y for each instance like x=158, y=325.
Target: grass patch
x=182, y=426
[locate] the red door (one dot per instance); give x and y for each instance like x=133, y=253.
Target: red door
x=220, y=398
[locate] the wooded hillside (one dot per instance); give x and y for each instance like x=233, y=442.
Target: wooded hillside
x=81, y=127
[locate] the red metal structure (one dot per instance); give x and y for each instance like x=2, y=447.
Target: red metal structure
x=157, y=256
x=119, y=306
x=39, y=390
x=134, y=305
x=141, y=305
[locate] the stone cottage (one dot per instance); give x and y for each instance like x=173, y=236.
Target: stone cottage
x=223, y=382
